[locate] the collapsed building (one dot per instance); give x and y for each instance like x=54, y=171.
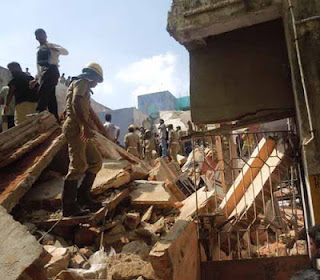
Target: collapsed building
x=237, y=207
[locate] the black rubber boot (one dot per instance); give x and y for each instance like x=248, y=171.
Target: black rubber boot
x=69, y=200
x=84, y=198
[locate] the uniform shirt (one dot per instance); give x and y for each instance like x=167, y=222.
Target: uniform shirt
x=163, y=131
x=78, y=88
x=23, y=93
x=131, y=140
x=54, y=56
x=173, y=137
x=150, y=144
x=112, y=130
x=4, y=93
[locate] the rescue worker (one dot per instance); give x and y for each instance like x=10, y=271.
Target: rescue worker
x=131, y=141
x=181, y=144
x=84, y=156
x=150, y=147
x=141, y=142
x=173, y=141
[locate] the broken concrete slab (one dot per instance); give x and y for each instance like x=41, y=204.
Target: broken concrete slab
x=164, y=171
x=208, y=201
x=59, y=261
x=149, y=193
x=110, y=178
x=138, y=172
x=106, y=150
x=45, y=194
x=19, y=249
x=18, y=179
x=132, y=220
x=175, y=256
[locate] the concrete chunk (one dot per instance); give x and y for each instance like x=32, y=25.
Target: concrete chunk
x=19, y=249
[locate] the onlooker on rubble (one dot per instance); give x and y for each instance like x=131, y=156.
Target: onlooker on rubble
x=190, y=127
x=181, y=144
x=68, y=81
x=173, y=141
x=311, y=273
x=131, y=141
x=62, y=79
x=25, y=97
x=113, y=131
x=163, y=138
x=27, y=72
x=7, y=116
x=150, y=147
x=48, y=73
x=85, y=158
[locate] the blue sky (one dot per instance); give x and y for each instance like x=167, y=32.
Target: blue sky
x=128, y=38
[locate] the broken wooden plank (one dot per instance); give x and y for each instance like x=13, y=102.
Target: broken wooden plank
x=175, y=256
x=19, y=249
x=149, y=193
x=18, y=179
x=13, y=139
x=12, y=155
x=247, y=175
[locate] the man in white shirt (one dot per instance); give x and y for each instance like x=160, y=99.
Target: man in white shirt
x=48, y=73
x=163, y=138
x=113, y=131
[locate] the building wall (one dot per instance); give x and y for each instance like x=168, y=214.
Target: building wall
x=123, y=118
x=152, y=103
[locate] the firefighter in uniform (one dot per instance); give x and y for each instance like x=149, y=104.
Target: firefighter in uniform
x=131, y=141
x=84, y=157
x=174, y=145
x=150, y=147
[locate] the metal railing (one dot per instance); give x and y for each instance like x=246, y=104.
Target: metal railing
x=255, y=181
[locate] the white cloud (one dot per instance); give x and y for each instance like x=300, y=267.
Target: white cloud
x=103, y=90
x=153, y=74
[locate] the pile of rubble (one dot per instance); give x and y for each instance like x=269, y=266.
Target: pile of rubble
x=137, y=235
x=147, y=228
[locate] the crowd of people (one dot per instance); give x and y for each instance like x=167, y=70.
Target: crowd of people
x=148, y=145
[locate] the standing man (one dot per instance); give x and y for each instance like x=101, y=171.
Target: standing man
x=84, y=157
x=173, y=143
x=48, y=73
x=131, y=141
x=7, y=112
x=62, y=79
x=113, y=131
x=163, y=138
x=27, y=72
x=181, y=144
x=25, y=97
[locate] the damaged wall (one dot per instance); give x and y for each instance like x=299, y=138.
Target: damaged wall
x=248, y=67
